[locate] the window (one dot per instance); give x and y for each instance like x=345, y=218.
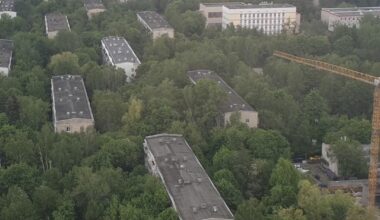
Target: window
x=215, y=14
x=247, y=120
x=67, y=128
x=153, y=163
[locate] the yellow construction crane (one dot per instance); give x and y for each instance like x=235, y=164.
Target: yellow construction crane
x=375, y=137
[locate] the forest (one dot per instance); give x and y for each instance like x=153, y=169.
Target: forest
x=100, y=174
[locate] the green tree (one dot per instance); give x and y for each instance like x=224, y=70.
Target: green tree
x=18, y=206
x=33, y=112
x=64, y=63
x=45, y=201
x=251, y=209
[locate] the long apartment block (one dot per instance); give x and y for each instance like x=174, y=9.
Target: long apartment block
x=117, y=52
x=6, y=51
x=93, y=7
x=54, y=23
x=7, y=7
x=190, y=189
x=269, y=18
x=156, y=24
x=349, y=17
x=71, y=107
x=233, y=103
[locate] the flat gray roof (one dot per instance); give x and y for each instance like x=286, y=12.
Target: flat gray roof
x=6, y=48
x=7, y=5
x=93, y=4
x=190, y=188
x=70, y=98
x=216, y=4
x=56, y=22
x=357, y=11
x=247, y=6
x=234, y=102
x=119, y=50
x=153, y=19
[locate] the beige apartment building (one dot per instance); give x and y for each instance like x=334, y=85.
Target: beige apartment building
x=93, y=7
x=156, y=24
x=71, y=108
x=349, y=17
x=233, y=103
x=213, y=12
x=269, y=18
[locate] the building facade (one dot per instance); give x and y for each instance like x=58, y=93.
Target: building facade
x=71, y=108
x=156, y=24
x=93, y=7
x=330, y=162
x=233, y=103
x=6, y=50
x=213, y=12
x=117, y=52
x=349, y=17
x=7, y=7
x=271, y=19
x=191, y=191
x=54, y=23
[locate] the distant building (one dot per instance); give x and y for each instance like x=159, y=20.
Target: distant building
x=331, y=162
x=71, y=107
x=7, y=7
x=190, y=189
x=117, y=52
x=156, y=24
x=93, y=7
x=234, y=103
x=349, y=17
x=6, y=50
x=54, y=23
x=269, y=18
x=213, y=12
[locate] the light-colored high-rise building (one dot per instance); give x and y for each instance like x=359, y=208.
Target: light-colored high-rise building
x=7, y=7
x=6, y=50
x=349, y=17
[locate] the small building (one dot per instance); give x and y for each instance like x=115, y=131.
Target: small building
x=156, y=24
x=6, y=50
x=117, y=52
x=330, y=162
x=213, y=12
x=233, y=104
x=7, y=7
x=71, y=108
x=190, y=189
x=54, y=23
x=349, y=17
x=93, y=7
x=269, y=18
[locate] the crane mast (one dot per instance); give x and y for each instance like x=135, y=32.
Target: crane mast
x=375, y=136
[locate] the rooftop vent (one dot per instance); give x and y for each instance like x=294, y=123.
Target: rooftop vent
x=81, y=113
x=214, y=208
x=182, y=166
x=166, y=159
x=180, y=181
x=60, y=99
x=59, y=89
x=195, y=209
x=184, y=158
x=203, y=205
x=67, y=113
x=199, y=179
x=78, y=98
x=174, y=139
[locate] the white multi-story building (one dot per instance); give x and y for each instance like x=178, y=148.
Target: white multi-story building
x=7, y=7
x=268, y=18
x=156, y=24
x=349, y=17
x=55, y=23
x=191, y=191
x=117, y=52
x=6, y=49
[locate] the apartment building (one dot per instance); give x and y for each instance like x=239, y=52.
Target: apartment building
x=6, y=50
x=156, y=24
x=190, y=189
x=213, y=12
x=117, y=52
x=349, y=17
x=233, y=103
x=54, y=23
x=269, y=18
x=71, y=108
x=93, y=7
x=7, y=7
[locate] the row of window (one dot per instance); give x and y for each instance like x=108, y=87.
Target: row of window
x=262, y=21
x=263, y=15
